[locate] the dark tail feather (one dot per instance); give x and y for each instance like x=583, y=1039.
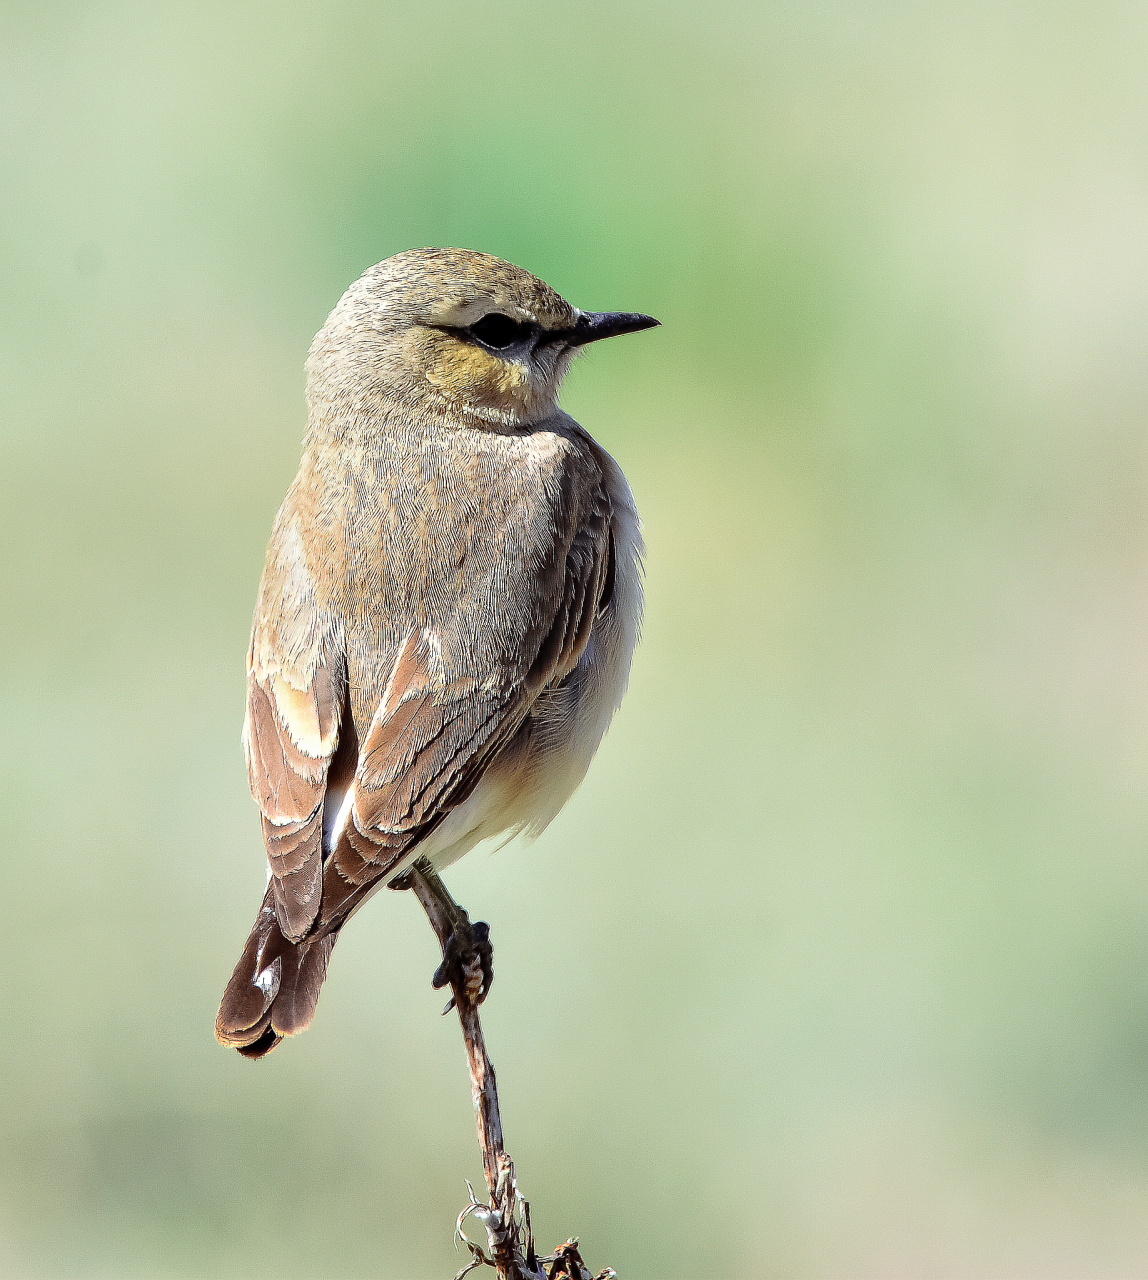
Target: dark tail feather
x=274, y=988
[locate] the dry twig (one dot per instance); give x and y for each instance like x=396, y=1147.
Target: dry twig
x=506, y=1218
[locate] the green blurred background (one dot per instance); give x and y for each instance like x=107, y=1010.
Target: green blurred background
x=837, y=966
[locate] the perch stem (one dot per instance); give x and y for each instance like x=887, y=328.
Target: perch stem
x=445, y=914
x=507, y=1216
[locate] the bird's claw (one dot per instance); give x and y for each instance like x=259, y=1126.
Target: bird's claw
x=467, y=963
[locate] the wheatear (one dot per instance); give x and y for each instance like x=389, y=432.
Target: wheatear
x=447, y=613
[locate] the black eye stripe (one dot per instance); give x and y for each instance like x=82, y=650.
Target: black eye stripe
x=498, y=332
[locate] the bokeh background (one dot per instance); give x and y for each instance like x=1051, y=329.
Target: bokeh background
x=837, y=966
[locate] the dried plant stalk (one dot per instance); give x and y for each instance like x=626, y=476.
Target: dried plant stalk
x=506, y=1217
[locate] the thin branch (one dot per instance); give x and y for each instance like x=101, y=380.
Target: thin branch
x=446, y=916
x=507, y=1217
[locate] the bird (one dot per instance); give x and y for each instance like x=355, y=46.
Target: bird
x=447, y=615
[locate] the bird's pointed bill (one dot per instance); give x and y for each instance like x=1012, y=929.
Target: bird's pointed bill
x=593, y=325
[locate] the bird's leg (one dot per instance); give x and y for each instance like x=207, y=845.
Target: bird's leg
x=467, y=956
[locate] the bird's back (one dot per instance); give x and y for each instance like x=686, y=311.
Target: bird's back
x=461, y=533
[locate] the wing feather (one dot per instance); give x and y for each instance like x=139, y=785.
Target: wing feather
x=431, y=738
x=290, y=735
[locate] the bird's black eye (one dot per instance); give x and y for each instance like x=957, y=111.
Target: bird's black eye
x=499, y=331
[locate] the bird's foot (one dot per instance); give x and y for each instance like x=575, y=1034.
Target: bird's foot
x=467, y=962
x=467, y=956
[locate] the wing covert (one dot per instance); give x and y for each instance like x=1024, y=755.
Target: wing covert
x=436, y=728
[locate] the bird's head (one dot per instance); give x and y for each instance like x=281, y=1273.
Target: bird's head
x=457, y=328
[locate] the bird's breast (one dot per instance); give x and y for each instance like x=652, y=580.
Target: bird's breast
x=527, y=784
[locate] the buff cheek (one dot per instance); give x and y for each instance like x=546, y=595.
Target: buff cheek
x=463, y=372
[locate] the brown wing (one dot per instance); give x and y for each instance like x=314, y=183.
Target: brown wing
x=434, y=733
x=295, y=685
x=289, y=738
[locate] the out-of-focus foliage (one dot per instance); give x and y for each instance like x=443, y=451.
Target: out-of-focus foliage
x=838, y=963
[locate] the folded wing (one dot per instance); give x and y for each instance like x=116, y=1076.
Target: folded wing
x=450, y=703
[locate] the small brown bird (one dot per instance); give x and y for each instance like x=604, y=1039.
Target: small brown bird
x=447, y=614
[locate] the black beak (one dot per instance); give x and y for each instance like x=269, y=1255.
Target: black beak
x=593, y=325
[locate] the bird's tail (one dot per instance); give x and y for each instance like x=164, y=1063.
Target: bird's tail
x=274, y=988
